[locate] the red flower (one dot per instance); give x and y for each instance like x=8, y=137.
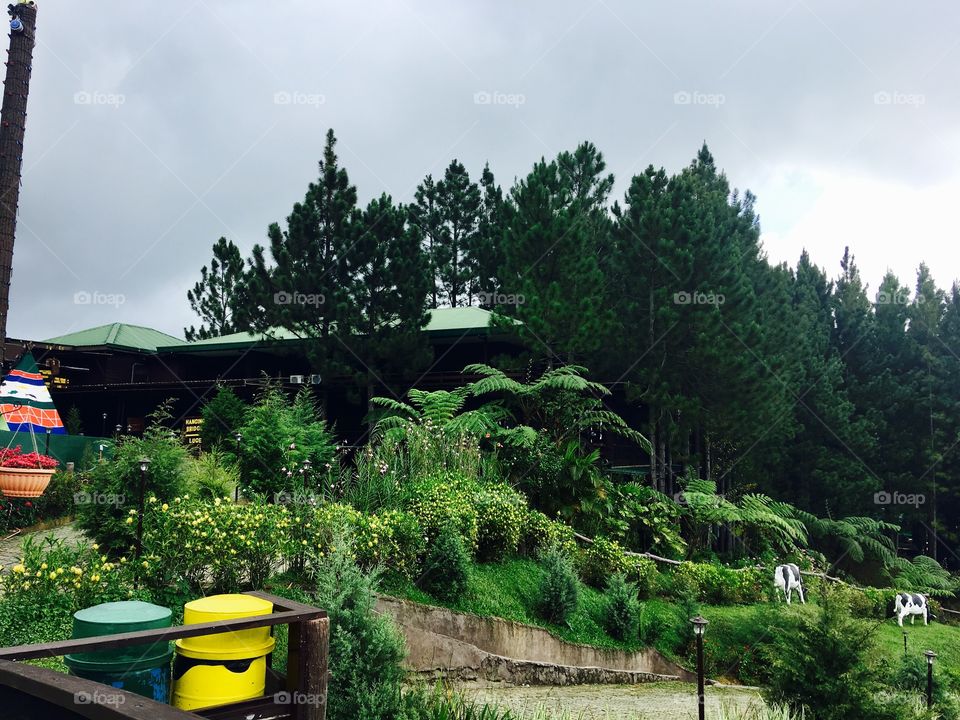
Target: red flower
x=28, y=503
x=15, y=458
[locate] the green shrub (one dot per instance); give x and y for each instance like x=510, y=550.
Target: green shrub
x=500, y=515
x=222, y=418
x=645, y=574
x=366, y=650
x=211, y=475
x=52, y=580
x=819, y=664
x=438, y=504
x=114, y=486
x=392, y=540
x=601, y=560
x=622, y=609
x=57, y=500
x=279, y=437
x=446, y=569
x=559, y=591
x=538, y=533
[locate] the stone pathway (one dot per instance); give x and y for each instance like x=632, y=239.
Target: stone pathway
x=663, y=701
x=10, y=547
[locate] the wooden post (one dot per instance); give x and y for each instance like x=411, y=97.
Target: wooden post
x=13, y=119
x=308, y=668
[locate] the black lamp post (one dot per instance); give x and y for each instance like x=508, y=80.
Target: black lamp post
x=144, y=465
x=103, y=425
x=118, y=429
x=930, y=656
x=699, y=626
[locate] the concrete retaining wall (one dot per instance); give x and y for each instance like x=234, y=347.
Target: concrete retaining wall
x=467, y=647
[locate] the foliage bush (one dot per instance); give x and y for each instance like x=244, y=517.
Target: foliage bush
x=278, y=436
x=114, y=486
x=222, y=418
x=212, y=475
x=446, y=569
x=645, y=574
x=601, y=560
x=500, y=515
x=539, y=533
x=622, y=608
x=366, y=650
x=819, y=664
x=438, y=504
x=52, y=580
x=559, y=591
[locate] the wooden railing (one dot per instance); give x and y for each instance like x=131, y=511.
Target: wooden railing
x=300, y=695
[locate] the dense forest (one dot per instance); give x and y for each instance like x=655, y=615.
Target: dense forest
x=794, y=382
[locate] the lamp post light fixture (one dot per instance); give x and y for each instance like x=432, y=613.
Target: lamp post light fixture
x=144, y=466
x=930, y=657
x=103, y=425
x=699, y=626
x=118, y=429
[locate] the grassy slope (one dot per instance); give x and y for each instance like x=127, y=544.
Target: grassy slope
x=508, y=590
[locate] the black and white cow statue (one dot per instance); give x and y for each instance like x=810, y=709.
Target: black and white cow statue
x=911, y=604
x=786, y=578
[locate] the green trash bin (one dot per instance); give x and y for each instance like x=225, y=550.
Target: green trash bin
x=142, y=669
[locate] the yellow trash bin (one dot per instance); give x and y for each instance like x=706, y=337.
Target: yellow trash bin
x=227, y=667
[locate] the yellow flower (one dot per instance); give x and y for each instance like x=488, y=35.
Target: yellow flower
x=43, y=566
x=26, y=585
x=129, y=521
x=96, y=547
x=164, y=507
x=53, y=576
x=19, y=568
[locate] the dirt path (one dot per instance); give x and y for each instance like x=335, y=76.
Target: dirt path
x=663, y=701
x=10, y=547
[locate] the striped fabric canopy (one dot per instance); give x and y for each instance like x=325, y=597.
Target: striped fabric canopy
x=25, y=401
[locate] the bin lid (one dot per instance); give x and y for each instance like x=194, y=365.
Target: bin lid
x=231, y=645
x=121, y=617
x=226, y=607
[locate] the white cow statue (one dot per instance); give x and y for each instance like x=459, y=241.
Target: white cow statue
x=911, y=604
x=786, y=578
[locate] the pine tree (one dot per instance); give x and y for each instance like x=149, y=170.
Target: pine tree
x=551, y=259
x=485, y=251
x=308, y=288
x=219, y=297
x=391, y=284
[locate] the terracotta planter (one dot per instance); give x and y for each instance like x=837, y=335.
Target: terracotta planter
x=24, y=482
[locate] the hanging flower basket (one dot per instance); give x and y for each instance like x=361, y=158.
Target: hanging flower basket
x=25, y=475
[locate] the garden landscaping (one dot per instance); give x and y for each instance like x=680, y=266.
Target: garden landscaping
x=478, y=500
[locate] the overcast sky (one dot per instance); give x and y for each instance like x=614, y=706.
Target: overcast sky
x=155, y=128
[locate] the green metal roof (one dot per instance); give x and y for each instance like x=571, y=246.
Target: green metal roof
x=443, y=321
x=117, y=335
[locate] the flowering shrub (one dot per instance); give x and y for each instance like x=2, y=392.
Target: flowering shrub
x=603, y=559
x=500, y=514
x=52, y=580
x=538, y=533
x=16, y=458
x=437, y=504
x=645, y=574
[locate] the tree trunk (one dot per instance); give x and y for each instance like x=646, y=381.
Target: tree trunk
x=662, y=455
x=653, y=447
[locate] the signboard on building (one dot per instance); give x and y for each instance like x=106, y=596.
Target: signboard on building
x=191, y=430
